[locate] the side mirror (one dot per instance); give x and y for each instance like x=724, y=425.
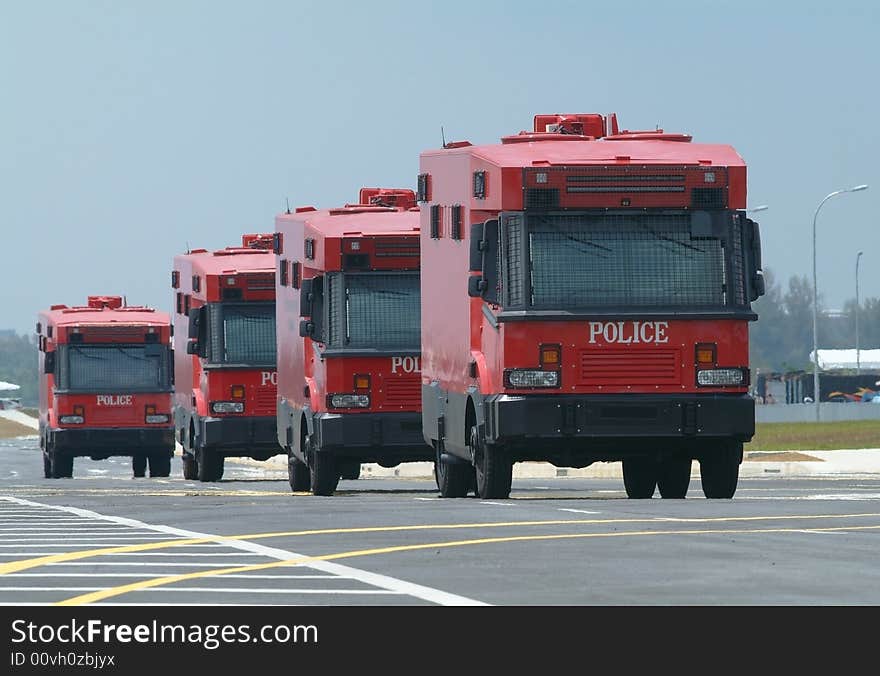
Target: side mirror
x=476, y=287
x=306, y=297
x=192, y=347
x=49, y=363
x=195, y=317
x=306, y=328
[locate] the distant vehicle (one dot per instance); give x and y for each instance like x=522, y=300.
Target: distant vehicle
x=348, y=338
x=224, y=337
x=105, y=384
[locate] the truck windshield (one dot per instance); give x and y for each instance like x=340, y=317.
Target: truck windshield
x=242, y=333
x=117, y=368
x=374, y=310
x=614, y=261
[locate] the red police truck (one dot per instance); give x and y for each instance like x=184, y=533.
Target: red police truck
x=348, y=338
x=587, y=295
x=105, y=381
x=224, y=366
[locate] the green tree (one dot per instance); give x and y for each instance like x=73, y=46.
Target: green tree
x=18, y=364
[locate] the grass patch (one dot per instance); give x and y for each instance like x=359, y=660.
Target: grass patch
x=830, y=436
x=10, y=429
x=32, y=412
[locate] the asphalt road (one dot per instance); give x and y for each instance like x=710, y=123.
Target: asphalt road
x=106, y=538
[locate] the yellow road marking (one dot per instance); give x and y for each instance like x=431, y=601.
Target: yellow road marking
x=170, y=579
x=17, y=566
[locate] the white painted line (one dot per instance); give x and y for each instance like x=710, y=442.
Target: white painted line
x=429, y=499
x=377, y=580
x=577, y=511
x=500, y=504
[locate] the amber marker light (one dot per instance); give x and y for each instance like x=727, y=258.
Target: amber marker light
x=237, y=391
x=551, y=356
x=361, y=382
x=706, y=353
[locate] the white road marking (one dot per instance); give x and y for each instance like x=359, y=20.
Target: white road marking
x=163, y=564
x=428, y=499
x=375, y=579
x=500, y=504
x=578, y=511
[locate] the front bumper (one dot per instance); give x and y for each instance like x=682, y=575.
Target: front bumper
x=384, y=438
x=112, y=441
x=617, y=421
x=249, y=436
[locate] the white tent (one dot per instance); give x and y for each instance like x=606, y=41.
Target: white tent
x=8, y=386
x=829, y=360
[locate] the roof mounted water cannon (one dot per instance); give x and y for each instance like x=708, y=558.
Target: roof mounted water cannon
x=398, y=198
x=257, y=241
x=101, y=302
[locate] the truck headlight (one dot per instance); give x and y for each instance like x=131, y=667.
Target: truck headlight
x=71, y=420
x=349, y=400
x=227, y=406
x=722, y=377
x=530, y=378
x=157, y=418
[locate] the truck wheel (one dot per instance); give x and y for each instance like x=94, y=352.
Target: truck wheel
x=639, y=477
x=298, y=474
x=61, y=465
x=350, y=470
x=190, y=467
x=160, y=464
x=210, y=465
x=674, y=477
x=493, y=468
x=139, y=466
x=719, y=470
x=324, y=474
x=453, y=479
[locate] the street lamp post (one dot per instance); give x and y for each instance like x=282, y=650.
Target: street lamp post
x=858, y=356
x=816, y=298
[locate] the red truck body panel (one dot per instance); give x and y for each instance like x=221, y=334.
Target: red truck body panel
x=375, y=238
x=242, y=278
x=109, y=390
x=571, y=173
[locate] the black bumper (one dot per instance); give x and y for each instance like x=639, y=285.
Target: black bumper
x=112, y=441
x=617, y=422
x=248, y=436
x=384, y=438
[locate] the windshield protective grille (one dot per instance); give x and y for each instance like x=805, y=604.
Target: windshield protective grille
x=623, y=261
x=114, y=368
x=243, y=333
x=374, y=310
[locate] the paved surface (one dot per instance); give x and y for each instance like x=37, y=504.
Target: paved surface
x=105, y=538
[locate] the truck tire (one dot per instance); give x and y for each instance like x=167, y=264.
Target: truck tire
x=298, y=474
x=190, y=467
x=210, y=465
x=350, y=470
x=639, y=477
x=160, y=464
x=138, y=466
x=493, y=468
x=324, y=474
x=453, y=479
x=674, y=477
x=61, y=465
x=719, y=470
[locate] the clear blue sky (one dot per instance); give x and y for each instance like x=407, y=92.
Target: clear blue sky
x=129, y=130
